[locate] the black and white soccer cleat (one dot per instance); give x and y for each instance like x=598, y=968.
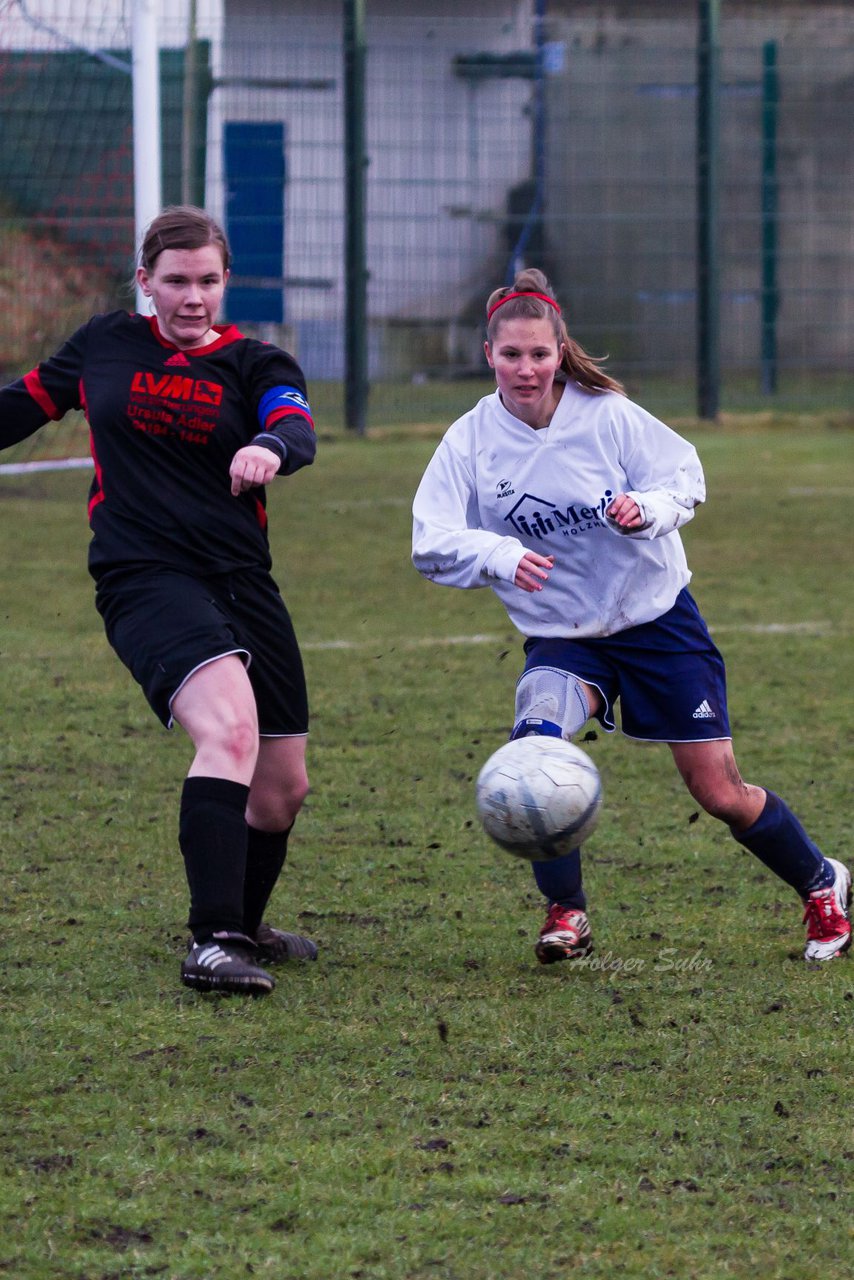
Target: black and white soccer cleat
x=226, y=963
x=276, y=946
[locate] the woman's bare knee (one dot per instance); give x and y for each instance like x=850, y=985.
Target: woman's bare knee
x=710, y=773
x=217, y=709
x=727, y=806
x=280, y=784
x=238, y=741
x=275, y=811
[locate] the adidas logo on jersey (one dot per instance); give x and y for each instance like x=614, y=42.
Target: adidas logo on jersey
x=704, y=712
x=178, y=359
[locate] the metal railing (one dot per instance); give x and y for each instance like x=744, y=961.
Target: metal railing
x=425, y=152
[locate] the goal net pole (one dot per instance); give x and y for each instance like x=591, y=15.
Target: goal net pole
x=147, y=174
x=144, y=70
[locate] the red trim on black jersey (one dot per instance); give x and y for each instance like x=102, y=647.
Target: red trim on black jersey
x=33, y=383
x=97, y=494
x=228, y=333
x=277, y=414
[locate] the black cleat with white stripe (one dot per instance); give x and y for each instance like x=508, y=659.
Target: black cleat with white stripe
x=226, y=963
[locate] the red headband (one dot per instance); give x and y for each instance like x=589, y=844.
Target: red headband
x=544, y=297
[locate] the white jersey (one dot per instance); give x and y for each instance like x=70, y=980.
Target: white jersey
x=496, y=487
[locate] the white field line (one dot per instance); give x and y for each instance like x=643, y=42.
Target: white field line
x=364, y=504
x=85, y=464
x=821, y=492
x=424, y=642
x=418, y=642
x=80, y=464
x=777, y=628
x=433, y=642
x=49, y=464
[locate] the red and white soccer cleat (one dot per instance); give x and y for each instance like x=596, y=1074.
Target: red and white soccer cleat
x=827, y=917
x=564, y=936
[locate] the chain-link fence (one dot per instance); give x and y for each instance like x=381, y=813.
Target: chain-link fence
x=563, y=135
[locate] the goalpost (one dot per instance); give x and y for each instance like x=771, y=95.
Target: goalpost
x=147, y=178
x=144, y=70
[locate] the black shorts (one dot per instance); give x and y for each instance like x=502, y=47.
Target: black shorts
x=165, y=624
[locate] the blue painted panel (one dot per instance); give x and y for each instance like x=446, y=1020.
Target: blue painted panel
x=255, y=218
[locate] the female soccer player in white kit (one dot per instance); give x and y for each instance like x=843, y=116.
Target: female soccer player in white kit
x=566, y=498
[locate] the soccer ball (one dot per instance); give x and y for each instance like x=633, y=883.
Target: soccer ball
x=539, y=797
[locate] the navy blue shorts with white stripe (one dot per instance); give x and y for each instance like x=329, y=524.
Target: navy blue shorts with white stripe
x=668, y=675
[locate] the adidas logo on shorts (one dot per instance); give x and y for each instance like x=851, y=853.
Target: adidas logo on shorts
x=704, y=712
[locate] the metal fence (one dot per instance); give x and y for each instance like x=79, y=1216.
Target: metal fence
x=507, y=132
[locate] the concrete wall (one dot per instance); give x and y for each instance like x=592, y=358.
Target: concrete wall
x=443, y=151
x=621, y=179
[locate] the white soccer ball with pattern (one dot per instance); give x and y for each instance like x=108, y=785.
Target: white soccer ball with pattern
x=539, y=797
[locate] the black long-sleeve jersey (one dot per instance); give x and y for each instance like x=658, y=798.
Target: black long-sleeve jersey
x=164, y=427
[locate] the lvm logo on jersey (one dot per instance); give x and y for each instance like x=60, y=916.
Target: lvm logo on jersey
x=175, y=386
x=171, y=404
x=537, y=517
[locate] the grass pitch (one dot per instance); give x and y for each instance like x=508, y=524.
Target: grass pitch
x=426, y=1101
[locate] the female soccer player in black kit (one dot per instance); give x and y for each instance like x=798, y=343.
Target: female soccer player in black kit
x=189, y=421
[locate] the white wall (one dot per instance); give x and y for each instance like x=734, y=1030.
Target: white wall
x=442, y=154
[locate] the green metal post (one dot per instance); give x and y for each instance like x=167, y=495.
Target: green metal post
x=708, y=271
x=189, y=125
x=355, y=161
x=770, y=291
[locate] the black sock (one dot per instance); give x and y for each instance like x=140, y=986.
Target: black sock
x=212, y=836
x=265, y=856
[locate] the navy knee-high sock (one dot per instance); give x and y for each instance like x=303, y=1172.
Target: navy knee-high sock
x=778, y=839
x=212, y=836
x=559, y=879
x=265, y=856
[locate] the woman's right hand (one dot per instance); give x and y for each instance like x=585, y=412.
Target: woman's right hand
x=532, y=571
